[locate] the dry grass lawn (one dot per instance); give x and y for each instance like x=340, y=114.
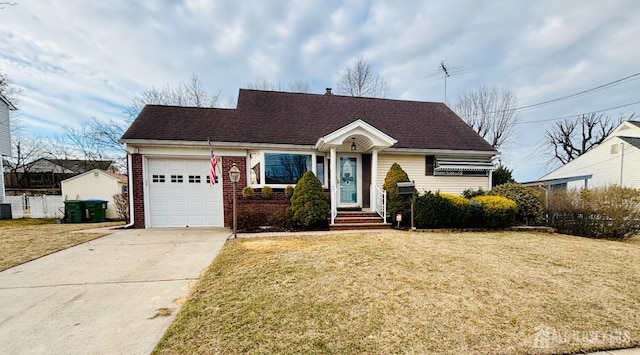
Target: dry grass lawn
x=22, y=240
x=414, y=293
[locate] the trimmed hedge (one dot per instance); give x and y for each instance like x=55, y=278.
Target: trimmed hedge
x=528, y=199
x=432, y=210
x=461, y=209
x=497, y=211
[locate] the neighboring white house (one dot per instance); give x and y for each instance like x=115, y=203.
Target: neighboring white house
x=616, y=161
x=5, y=137
x=96, y=185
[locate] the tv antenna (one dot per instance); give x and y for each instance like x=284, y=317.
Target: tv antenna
x=447, y=70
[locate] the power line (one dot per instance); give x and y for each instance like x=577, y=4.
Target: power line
x=579, y=114
x=599, y=87
x=593, y=89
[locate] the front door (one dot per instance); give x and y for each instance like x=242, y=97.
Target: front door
x=349, y=181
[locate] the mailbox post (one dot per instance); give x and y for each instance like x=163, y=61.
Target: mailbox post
x=407, y=189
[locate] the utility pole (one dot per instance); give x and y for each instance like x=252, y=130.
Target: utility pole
x=621, y=162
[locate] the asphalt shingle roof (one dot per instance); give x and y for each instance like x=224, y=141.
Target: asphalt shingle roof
x=295, y=118
x=634, y=141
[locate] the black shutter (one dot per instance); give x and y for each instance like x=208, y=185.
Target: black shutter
x=429, y=162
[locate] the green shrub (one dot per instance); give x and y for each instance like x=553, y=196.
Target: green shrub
x=609, y=212
x=248, y=192
x=267, y=192
x=497, y=211
x=397, y=204
x=288, y=192
x=461, y=208
x=500, y=176
x=433, y=211
x=476, y=214
x=248, y=221
x=528, y=199
x=309, y=204
x=471, y=193
x=282, y=219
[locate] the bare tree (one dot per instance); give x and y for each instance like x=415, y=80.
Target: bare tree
x=490, y=113
x=190, y=93
x=97, y=139
x=569, y=139
x=25, y=151
x=300, y=86
x=264, y=84
x=359, y=80
x=8, y=89
x=295, y=85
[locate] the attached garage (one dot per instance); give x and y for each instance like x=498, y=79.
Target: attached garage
x=179, y=194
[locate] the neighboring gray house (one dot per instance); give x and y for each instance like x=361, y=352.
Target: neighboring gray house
x=5, y=138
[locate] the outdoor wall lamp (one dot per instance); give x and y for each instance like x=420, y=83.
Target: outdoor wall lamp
x=353, y=144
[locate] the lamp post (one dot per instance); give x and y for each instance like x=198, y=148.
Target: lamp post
x=234, y=176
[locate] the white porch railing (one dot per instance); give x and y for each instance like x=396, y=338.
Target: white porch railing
x=334, y=199
x=381, y=202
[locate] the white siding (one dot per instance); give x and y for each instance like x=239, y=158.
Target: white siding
x=1, y=181
x=93, y=185
x=604, y=166
x=5, y=131
x=414, y=166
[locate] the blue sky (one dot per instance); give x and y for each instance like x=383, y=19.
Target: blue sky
x=77, y=59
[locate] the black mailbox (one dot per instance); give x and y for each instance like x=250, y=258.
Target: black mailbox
x=405, y=188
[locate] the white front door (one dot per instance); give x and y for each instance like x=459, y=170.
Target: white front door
x=349, y=180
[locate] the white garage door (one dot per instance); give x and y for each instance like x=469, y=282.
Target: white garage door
x=180, y=194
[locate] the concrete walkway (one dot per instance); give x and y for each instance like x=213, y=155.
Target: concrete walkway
x=107, y=296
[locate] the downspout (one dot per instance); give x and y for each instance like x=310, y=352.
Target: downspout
x=130, y=191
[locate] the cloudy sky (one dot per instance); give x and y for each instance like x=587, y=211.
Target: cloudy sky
x=80, y=59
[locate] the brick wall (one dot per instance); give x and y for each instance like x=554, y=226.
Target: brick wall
x=137, y=190
x=227, y=186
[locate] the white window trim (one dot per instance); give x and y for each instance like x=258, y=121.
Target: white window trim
x=261, y=154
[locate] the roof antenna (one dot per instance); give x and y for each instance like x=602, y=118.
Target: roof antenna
x=444, y=69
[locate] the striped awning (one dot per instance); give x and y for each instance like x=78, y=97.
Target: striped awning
x=457, y=165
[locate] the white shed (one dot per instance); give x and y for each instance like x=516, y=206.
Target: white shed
x=96, y=184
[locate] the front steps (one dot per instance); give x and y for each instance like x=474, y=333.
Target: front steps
x=356, y=220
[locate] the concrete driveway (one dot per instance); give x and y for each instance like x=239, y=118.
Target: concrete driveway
x=107, y=296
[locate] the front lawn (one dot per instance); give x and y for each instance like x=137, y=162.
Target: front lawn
x=416, y=293
x=25, y=239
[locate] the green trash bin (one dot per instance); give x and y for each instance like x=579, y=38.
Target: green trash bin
x=96, y=210
x=73, y=211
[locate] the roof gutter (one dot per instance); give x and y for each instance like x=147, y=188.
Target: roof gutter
x=129, y=191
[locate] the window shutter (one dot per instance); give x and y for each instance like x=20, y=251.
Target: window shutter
x=429, y=165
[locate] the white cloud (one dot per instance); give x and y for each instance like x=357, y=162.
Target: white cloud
x=78, y=59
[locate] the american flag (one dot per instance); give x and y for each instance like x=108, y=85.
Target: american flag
x=213, y=168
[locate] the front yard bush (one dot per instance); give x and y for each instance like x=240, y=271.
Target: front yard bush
x=609, y=212
x=461, y=209
x=309, y=205
x=397, y=204
x=432, y=210
x=529, y=201
x=497, y=211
